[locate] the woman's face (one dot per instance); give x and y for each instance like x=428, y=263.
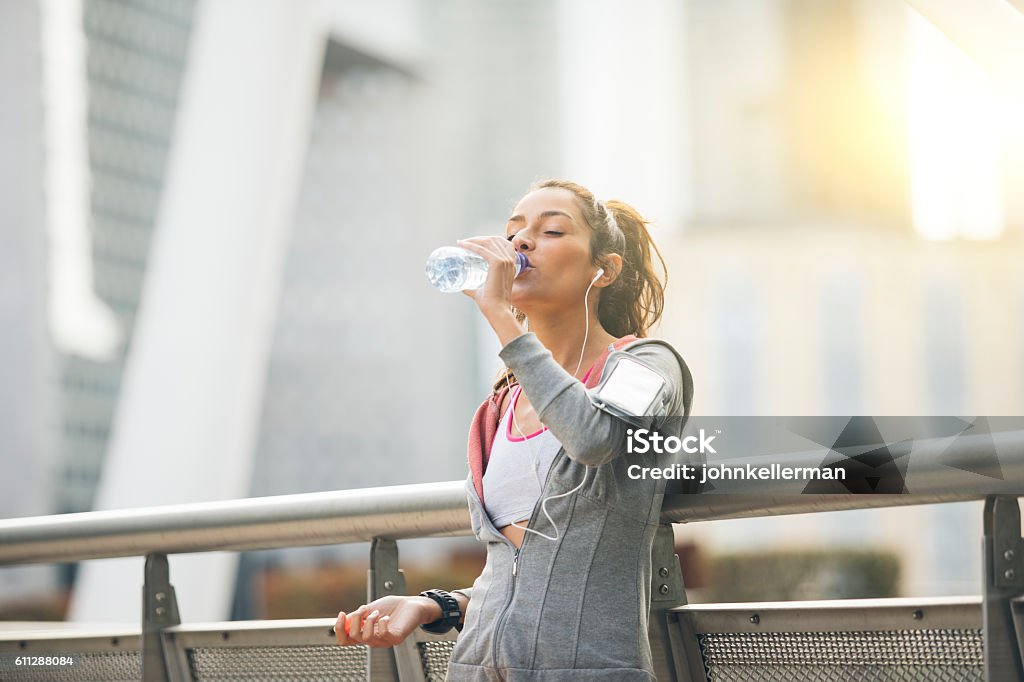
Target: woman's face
x=548, y=227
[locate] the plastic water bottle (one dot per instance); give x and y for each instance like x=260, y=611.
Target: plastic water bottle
x=452, y=269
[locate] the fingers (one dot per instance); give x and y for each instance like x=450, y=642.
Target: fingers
x=348, y=627
x=382, y=634
x=355, y=625
x=369, y=624
x=340, y=630
x=352, y=629
x=490, y=248
x=501, y=270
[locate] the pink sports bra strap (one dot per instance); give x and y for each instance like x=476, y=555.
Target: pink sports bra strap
x=513, y=400
x=513, y=395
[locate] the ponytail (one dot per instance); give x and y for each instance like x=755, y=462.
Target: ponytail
x=635, y=301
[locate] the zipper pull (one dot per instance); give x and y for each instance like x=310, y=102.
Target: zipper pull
x=515, y=562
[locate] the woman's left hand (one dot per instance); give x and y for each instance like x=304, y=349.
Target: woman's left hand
x=494, y=297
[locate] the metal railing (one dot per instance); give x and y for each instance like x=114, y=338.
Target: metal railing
x=439, y=509
x=383, y=515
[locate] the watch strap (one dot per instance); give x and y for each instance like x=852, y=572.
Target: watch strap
x=451, y=614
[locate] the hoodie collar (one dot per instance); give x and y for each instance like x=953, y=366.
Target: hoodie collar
x=485, y=421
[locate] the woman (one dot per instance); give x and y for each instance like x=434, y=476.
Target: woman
x=553, y=492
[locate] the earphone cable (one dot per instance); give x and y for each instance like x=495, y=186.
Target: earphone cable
x=533, y=456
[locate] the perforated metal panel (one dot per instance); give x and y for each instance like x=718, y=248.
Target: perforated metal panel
x=93, y=666
x=434, y=657
x=329, y=662
x=880, y=656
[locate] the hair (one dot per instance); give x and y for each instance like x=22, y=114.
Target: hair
x=635, y=300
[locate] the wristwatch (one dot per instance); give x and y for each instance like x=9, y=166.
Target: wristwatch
x=451, y=614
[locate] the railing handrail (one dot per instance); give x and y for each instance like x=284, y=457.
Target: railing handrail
x=404, y=511
x=440, y=509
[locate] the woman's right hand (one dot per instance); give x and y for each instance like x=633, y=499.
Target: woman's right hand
x=494, y=297
x=385, y=621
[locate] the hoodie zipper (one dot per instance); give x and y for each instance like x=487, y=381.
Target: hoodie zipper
x=500, y=622
x=515, y=570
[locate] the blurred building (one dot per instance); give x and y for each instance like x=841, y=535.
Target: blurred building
x=127, y=66
x=135, y=57
x=27, y=359
x=845, y=253
x=842, y=321
x=365, y=362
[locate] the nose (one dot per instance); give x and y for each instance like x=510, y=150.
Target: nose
x=521, y=242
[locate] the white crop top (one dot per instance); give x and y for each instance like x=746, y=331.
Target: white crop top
x=516, y=469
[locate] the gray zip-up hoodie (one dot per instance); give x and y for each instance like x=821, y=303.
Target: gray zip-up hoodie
x=575, y=608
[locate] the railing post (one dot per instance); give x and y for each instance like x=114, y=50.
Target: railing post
x=1004, y=581
x=383, y=578
x=667, y=592
x=159, y=611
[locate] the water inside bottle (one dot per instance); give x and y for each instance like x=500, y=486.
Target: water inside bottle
x=452, y=269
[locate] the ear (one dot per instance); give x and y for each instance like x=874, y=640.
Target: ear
x=612, y=264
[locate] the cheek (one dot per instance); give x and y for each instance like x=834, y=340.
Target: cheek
x=573, y=260
x=572, y=281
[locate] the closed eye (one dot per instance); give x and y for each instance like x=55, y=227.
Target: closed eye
x=553, y=232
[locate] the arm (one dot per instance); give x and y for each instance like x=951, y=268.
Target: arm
x=590, y=435
x=389, y=620
x=386, y=621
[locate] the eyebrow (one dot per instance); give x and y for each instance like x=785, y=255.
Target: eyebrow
x=545, y=214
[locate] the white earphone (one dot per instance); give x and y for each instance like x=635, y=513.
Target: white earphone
x=586, y=469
